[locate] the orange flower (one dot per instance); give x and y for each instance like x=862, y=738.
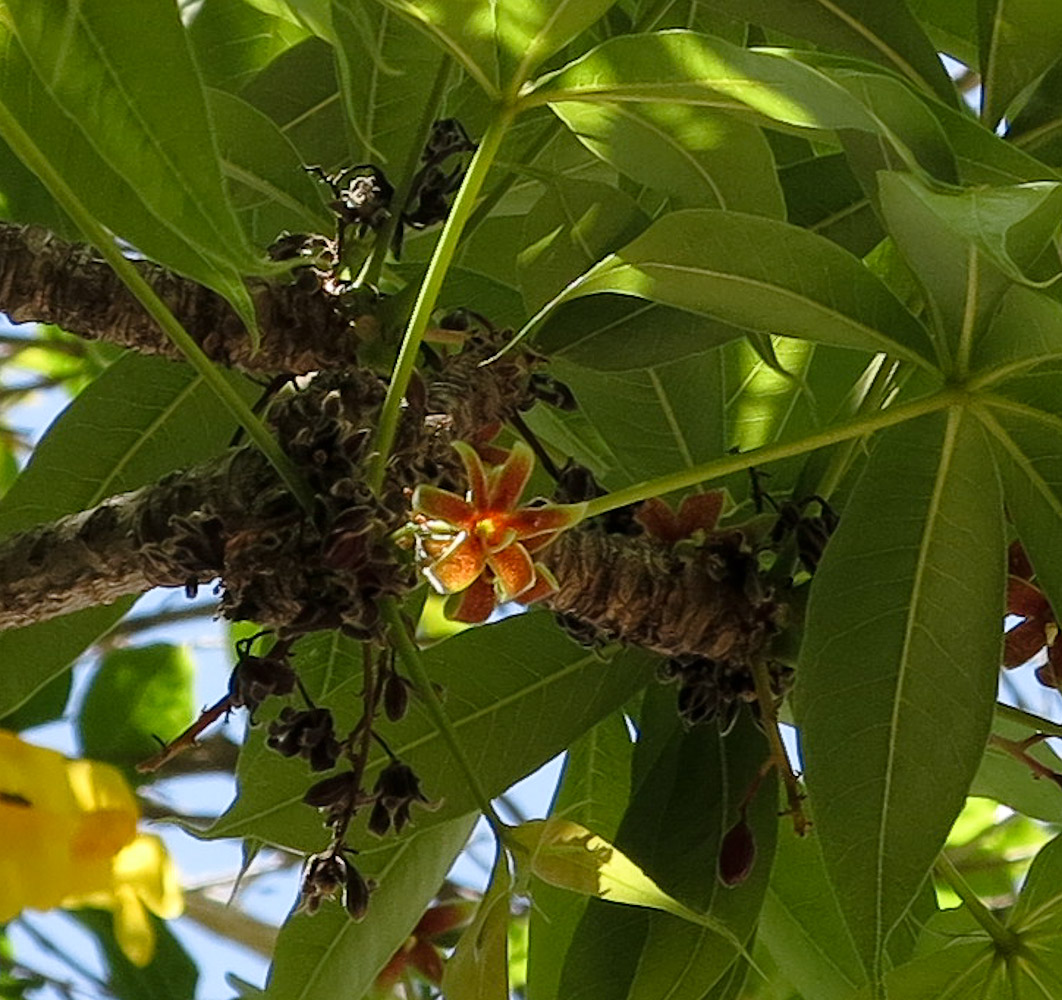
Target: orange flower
x=480, y=545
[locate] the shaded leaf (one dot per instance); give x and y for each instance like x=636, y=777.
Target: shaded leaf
x=232, y=41
x=902, y=632
x=270, y=190
x=1019, y=40
x=479, y=966
x=1003, y=778
x=138, y=696
x=315, y=953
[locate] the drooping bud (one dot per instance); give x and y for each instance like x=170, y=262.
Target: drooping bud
x=309, y=734
x=737, y=854
x=322, y=877
x=356, y=893
x=256, y=678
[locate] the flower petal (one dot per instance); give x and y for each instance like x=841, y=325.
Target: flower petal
x=442, y=505
x=474, y=604
x=700, y=512
x=514, y=569
x=458, y=566
x=478, y=491
x=1023, y=642
x=659, y=520
x=549, y=518
x=545, y=584
x=1027, y=600
x=508, y=481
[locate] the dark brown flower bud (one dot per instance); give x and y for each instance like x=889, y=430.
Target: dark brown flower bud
x=379, y=819
x=396, y=697
x=356, y=893
x=256, y=678
x=322, y=877
x=309, y=734
x=737, y=853
x=396, y=789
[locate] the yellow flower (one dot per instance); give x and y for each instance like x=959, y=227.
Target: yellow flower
x=69, y=839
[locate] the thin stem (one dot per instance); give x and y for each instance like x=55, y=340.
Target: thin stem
x=410, y=657
x=780, y=759
x=1038, y=722
x=38, y=163
x=429, y=292
x=1005, y=939
x=373, y=268
x=187, y=739
x=720, y=467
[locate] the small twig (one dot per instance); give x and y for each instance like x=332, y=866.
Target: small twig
x=187, y=739
x=533, y=442
x=1018, y=749
x=779, y=758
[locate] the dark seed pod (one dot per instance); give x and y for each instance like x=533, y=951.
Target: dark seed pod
x=379, y=819
x=737, y=854
x=255, y=678
x=356, y=893
x=396, y=697
x=309, y=734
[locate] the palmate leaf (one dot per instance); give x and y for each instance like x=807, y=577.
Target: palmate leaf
x=159, y=416
x=99, y=92
x=517, y=694
x=315, y=954
x=898, y=667
x=763, y=275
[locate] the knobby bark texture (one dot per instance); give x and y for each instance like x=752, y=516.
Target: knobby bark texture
x=232, y=519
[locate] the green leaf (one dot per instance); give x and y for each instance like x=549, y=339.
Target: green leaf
x=593, y=790
x=45, y=706
x=232, y=41
x=898, y=667
x=1007, y=780
x=1040, y=903
x=966, y=968
x=702, y=159
x=887, y=34
x=952, y=25
x=138, y=696
x=298, y=90
x=763, y=275
x=517, y=694
x=1037, y=128
x=170, y=975
x=315, y=953
x=682, y=67
x=479, y=966
x=569, y=856
x=636, y=430
x=500, y=44
x=610, y=333
x=1019, y=40
x=802, y=926
x=270, y=190
x=823, y=195
x=158, y=416
x=385, y=70
x=99, y=93
x=573, y=225
x=688, y=787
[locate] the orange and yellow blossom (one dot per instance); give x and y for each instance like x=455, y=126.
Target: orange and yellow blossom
x=69, y=839
x=480, y=545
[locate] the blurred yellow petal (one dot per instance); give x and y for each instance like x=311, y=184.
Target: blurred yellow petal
x=146, y=867
x=108, y=809
x=132, y=927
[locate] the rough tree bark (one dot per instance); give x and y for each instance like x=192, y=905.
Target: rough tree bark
x=233, y=519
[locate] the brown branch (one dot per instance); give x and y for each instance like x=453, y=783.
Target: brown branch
x=187, y=739
x=44, y=279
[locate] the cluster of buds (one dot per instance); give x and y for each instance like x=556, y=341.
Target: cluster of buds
x=324, y=875
x=309, y=734
x=256, y=678
x=480, y=547
x=1038, y=629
